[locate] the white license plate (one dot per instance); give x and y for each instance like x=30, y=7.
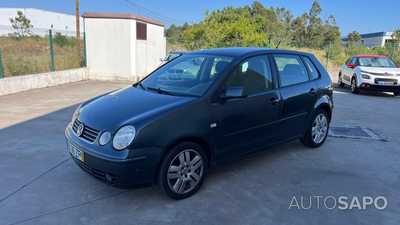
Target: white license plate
x=76, y=152
x=385, y=83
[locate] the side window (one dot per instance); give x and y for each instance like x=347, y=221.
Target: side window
x=354, y=61
x=254, y=74
x=349, y=61
x=291, y=69
x=311, y=67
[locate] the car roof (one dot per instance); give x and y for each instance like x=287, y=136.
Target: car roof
x=371, y=56
x=238, y=51
x=179, y=51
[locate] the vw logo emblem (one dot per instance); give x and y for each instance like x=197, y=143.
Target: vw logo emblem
x=80, y=129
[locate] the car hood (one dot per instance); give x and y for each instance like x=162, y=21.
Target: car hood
x=381, y=70
x=126, y=106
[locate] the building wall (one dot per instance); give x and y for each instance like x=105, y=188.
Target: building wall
x=41, y=20
x=372, y=42
x=113, y=53
x=108, y=48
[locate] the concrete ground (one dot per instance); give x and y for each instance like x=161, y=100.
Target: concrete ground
x=40, y=184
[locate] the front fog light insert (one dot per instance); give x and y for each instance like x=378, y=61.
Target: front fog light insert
x=104, y=138
x=124, y=137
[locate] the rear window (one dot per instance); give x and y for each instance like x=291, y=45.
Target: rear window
x=291, y=69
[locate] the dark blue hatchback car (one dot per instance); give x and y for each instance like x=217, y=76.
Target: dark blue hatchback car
x=198, y=111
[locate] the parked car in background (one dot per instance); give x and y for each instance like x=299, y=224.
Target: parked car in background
x=370, y=72
x=236, y=102
x=172, y=55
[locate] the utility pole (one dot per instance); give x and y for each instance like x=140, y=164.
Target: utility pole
x=78, y=34
x=139, y=9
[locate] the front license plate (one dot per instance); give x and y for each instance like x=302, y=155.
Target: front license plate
x=385, y=83
x=76, y=152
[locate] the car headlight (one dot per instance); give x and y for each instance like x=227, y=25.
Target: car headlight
x=365, y=76
x=104, y=138
x=124, y=137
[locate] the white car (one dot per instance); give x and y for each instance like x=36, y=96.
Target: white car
x=370, y=72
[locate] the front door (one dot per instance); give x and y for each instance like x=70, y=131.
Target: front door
x=247, y=124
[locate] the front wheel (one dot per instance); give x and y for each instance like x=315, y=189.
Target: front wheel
x=354, y=88
x=317, y=130
x=182, y=170
x=396, y=93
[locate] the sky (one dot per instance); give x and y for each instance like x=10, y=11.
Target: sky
x=360, y=15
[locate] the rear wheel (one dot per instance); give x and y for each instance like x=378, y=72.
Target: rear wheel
x=396, y=93
x=182, y=170
x=340, y=83
x=317, y=130
x=354, y=88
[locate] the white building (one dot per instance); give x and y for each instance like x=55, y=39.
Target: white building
x=374, y=39
x=41, y=20
x=122, y=46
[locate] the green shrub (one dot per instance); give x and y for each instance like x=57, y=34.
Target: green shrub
x=60, y=40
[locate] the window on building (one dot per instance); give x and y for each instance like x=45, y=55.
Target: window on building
x=141, y=31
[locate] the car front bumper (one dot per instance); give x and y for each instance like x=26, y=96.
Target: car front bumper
x=376, y=87
x=136, y=171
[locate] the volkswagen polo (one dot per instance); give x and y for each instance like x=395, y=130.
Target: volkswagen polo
x=231, y=103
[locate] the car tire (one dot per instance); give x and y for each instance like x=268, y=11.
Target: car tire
x=340, y=83
x=319, y=125
x=182, y=170
x=396, y=93
x=354, y=88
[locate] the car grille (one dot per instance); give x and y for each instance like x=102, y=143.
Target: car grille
x=175, y=71
x=89, y=134
x=100, y=175
x=386, y=80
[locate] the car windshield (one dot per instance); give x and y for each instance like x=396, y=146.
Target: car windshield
x=377, y=62
x=172, y=56
x=188, y=75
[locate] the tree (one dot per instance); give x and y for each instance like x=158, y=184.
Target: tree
x=22, y=24
x=332, y=32
x=315, y=30
x=353, y=37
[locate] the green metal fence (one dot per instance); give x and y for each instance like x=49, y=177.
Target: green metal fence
x=51, y=51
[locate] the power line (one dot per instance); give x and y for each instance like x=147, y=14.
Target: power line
x=154, y=13
x=144, y=13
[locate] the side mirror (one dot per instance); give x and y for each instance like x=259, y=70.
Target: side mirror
x=235, y=92
x=161, y=59
x=350, y=65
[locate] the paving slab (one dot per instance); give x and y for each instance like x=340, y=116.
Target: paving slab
x=40, y=184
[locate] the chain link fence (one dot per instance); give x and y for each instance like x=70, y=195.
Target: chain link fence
x=39, y=53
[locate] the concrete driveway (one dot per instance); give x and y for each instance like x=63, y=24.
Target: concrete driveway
x=40, y=184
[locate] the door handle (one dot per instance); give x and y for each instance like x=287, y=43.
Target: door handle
x=312, y=91
x=273, y=101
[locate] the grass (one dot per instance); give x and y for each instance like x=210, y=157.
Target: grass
x=32, y=55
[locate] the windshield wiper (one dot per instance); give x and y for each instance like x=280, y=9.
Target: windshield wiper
x=141, y=85
x=160, y=91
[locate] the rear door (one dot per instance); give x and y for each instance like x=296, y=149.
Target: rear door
x=298, y=95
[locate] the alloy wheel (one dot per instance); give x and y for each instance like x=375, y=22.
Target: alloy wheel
x=185, y=171
x=319, y=128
